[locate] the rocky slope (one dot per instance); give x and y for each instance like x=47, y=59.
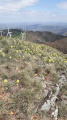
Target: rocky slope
x=33, y=81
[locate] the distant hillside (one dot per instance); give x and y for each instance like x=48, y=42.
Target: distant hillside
x=63, y=32
x=57, y=29
x=60, y=45
x=15, y=32
x=42, y=37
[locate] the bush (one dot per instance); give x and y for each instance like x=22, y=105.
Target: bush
x=22, y=99
x=4, y=76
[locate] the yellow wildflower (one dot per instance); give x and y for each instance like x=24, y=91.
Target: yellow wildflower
x=5, y=80
x=35, y=74
x=23, y=56
x=18, y=81
x=3, y=54
x=0, y=50
x=10, y=57
x=49, y=60
x=25, y=61
x=11, y=46
x=17, y=68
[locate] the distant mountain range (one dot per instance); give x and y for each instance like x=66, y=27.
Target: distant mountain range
x=60, y=29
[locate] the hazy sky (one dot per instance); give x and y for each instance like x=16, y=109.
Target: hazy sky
x=33, y=11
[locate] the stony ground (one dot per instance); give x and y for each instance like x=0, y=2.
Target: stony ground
x=29, y=76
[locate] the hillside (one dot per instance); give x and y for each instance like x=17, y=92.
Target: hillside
x=30, y=74
x=42, y=37
x=37, y=37
x=60, y=45
x=15, y=32
x=56, y=41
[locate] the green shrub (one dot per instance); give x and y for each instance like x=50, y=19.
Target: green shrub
x=1, y=103
x=4, y=76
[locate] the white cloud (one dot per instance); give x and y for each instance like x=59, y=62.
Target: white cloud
x=34, y=16
x=62, y=5
x=10, y=5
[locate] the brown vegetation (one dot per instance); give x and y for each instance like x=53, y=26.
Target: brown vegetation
x=60, y=45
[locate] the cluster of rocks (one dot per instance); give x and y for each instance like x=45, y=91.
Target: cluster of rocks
x=50, y=102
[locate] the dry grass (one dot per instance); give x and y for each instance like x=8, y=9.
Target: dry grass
x=25, y=62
